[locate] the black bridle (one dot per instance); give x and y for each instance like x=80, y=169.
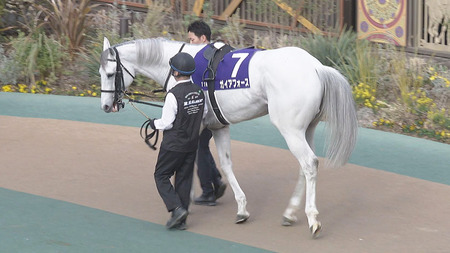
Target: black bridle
x=119, y=84
x=119, y=91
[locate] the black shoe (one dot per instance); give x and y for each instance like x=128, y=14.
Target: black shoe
x=205, y=200
x=178, y=215
x=219, y=190
x=181, y=226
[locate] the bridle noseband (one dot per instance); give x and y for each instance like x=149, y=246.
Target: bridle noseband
x=119, y=84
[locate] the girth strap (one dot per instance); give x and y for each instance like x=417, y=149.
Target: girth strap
x=215, y=57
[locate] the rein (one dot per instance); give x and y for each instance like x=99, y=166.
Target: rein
x=119, y=92
x=146, y=124
x=148, y=136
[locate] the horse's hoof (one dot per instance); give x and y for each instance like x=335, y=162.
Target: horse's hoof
x=241, y=218
x=315, y=229
x=287, y=222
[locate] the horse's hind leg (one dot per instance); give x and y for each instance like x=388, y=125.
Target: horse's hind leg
x=223, y=144
x=298, y=145
x=289, y=216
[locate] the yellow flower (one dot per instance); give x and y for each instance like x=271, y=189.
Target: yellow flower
x=82, y=95
x=6, y=88
x=74, y=88
x=94, y=94
x=432, y=78
x=374, y=123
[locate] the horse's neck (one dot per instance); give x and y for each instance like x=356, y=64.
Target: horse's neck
x=156, y=55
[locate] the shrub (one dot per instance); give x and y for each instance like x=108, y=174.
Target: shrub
x=68, y=19
x=335, y=51
x=153, y=25
x=38, y=53
x=9, y=69
x=233, y=32
x=105, y=24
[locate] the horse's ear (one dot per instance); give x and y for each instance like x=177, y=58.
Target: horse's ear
x=106, y=44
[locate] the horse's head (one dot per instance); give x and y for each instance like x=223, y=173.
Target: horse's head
x=116, y=75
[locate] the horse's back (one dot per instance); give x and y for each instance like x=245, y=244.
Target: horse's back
x=279, y=76
x=288, y=71
x=286, y=59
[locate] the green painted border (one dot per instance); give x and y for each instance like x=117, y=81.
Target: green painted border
x=30, y=223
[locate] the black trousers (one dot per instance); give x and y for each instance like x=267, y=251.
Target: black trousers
x=182, y=165
x=207, y=171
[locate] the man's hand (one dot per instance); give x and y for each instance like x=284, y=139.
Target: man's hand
x=151, y=122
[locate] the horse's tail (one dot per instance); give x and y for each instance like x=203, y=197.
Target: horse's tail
x=339, y=112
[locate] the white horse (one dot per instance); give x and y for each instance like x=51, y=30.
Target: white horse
x=289, y=84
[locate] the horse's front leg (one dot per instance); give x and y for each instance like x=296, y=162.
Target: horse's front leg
x=223, y=144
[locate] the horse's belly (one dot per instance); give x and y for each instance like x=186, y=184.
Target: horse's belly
x=241, y=104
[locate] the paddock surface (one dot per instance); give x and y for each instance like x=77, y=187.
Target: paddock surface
x=75, y=179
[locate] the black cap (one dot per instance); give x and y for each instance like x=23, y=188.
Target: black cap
x=183, y=63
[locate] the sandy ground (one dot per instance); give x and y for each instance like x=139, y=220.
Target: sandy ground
x=110, y=168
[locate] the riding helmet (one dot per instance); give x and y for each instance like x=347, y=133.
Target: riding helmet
x=183, y=63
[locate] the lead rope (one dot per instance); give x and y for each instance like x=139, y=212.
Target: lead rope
x=145, y=126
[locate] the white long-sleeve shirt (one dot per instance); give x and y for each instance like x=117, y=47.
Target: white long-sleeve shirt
x=169, y=111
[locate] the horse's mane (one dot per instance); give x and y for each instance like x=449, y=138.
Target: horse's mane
x=147, y=50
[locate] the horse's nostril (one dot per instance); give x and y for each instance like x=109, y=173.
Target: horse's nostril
x=105, y=108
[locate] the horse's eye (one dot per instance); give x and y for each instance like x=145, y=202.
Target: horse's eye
x=110, y=75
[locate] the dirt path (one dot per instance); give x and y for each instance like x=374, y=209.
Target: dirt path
x=109, y=168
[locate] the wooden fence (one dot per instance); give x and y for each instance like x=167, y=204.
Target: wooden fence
x=432, y=31
x=315, y=16
x=427, y=20
x=284, y=14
